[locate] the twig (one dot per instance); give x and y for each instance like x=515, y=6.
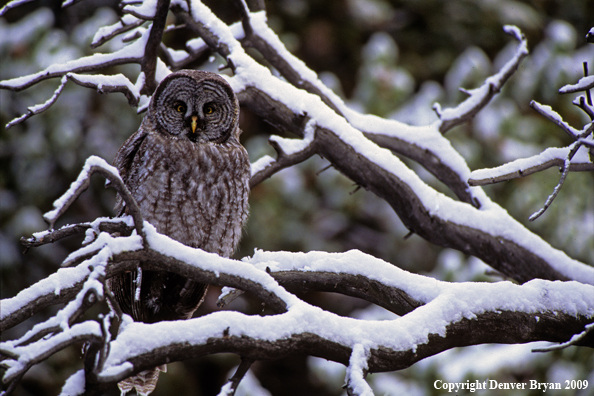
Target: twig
x=573, y=341
x=517, y=168
x=12, y=4
x=96, y=165
x=357, y=371
x=553, y=116
x=101, y=39
x=40, y=108
x=588, y=96
x=231, y=386
x=481, y=96
x=566, y=167
x=51, y=236
x=286, y=158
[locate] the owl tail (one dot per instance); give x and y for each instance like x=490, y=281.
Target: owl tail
x=144, y=382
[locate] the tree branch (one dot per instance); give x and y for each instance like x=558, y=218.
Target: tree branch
x=149, y=61
x=481, y=96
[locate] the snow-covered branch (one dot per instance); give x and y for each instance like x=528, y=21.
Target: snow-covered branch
x=553, y=302
x=481, y=96
x=378, y=170
x=575, y=157
x=458, y=313
x=95, y=165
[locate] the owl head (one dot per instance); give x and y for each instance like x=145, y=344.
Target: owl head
x=195, y=105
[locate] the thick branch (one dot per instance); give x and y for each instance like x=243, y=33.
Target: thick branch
x=430, y=161
x=390, y=298
x=490, y=327
x=507, y=256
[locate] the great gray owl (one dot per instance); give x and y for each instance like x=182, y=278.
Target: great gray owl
x=190, y=177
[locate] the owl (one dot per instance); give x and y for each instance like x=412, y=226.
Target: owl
x=190, y=177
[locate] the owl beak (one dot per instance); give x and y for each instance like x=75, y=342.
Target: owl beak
x=194, y=123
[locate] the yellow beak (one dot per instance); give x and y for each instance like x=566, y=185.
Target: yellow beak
x=194, y=123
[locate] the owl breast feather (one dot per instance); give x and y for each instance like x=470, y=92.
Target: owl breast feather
x=195, y=193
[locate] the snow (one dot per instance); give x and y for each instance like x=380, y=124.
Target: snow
x=445, y=303
x=479, y=95
x=65, y=278
x=101, y=80
x=107, y=31
x=30, y=352
x=357, y=370
x=490, y=219
x=352, y=262
x=131, y=52
x=74, y=385
x=526, y=166
x=583, y=84
x=261, y=164
x=214, y=263
x=75, y=186
x=177, y=55
x=146, y=10
x=554, y=116
x=294, y=146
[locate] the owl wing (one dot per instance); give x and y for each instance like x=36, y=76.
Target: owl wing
x=123, y=162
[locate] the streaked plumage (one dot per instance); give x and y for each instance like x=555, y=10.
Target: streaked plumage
x=190, y=177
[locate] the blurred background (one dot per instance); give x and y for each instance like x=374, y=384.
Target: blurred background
x=390, y=58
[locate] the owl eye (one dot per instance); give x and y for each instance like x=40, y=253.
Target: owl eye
x=179, y=107
x=208, y=108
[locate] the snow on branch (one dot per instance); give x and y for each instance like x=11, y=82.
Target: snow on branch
x=381, y=172
x=424, y=145
x=462, y=313
x=552, y=156
x=575, y=157
x=481, y=96
x=132, y=53
x=433, y=315
x=103, y=84
x=583, y=84
x=95, y=165
x=12, y=4
x=357, y=371
x=289, y=152
x=106, y=33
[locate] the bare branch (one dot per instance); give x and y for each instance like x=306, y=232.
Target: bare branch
x=150, y=58
x=573, y=341
x=230, y=387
